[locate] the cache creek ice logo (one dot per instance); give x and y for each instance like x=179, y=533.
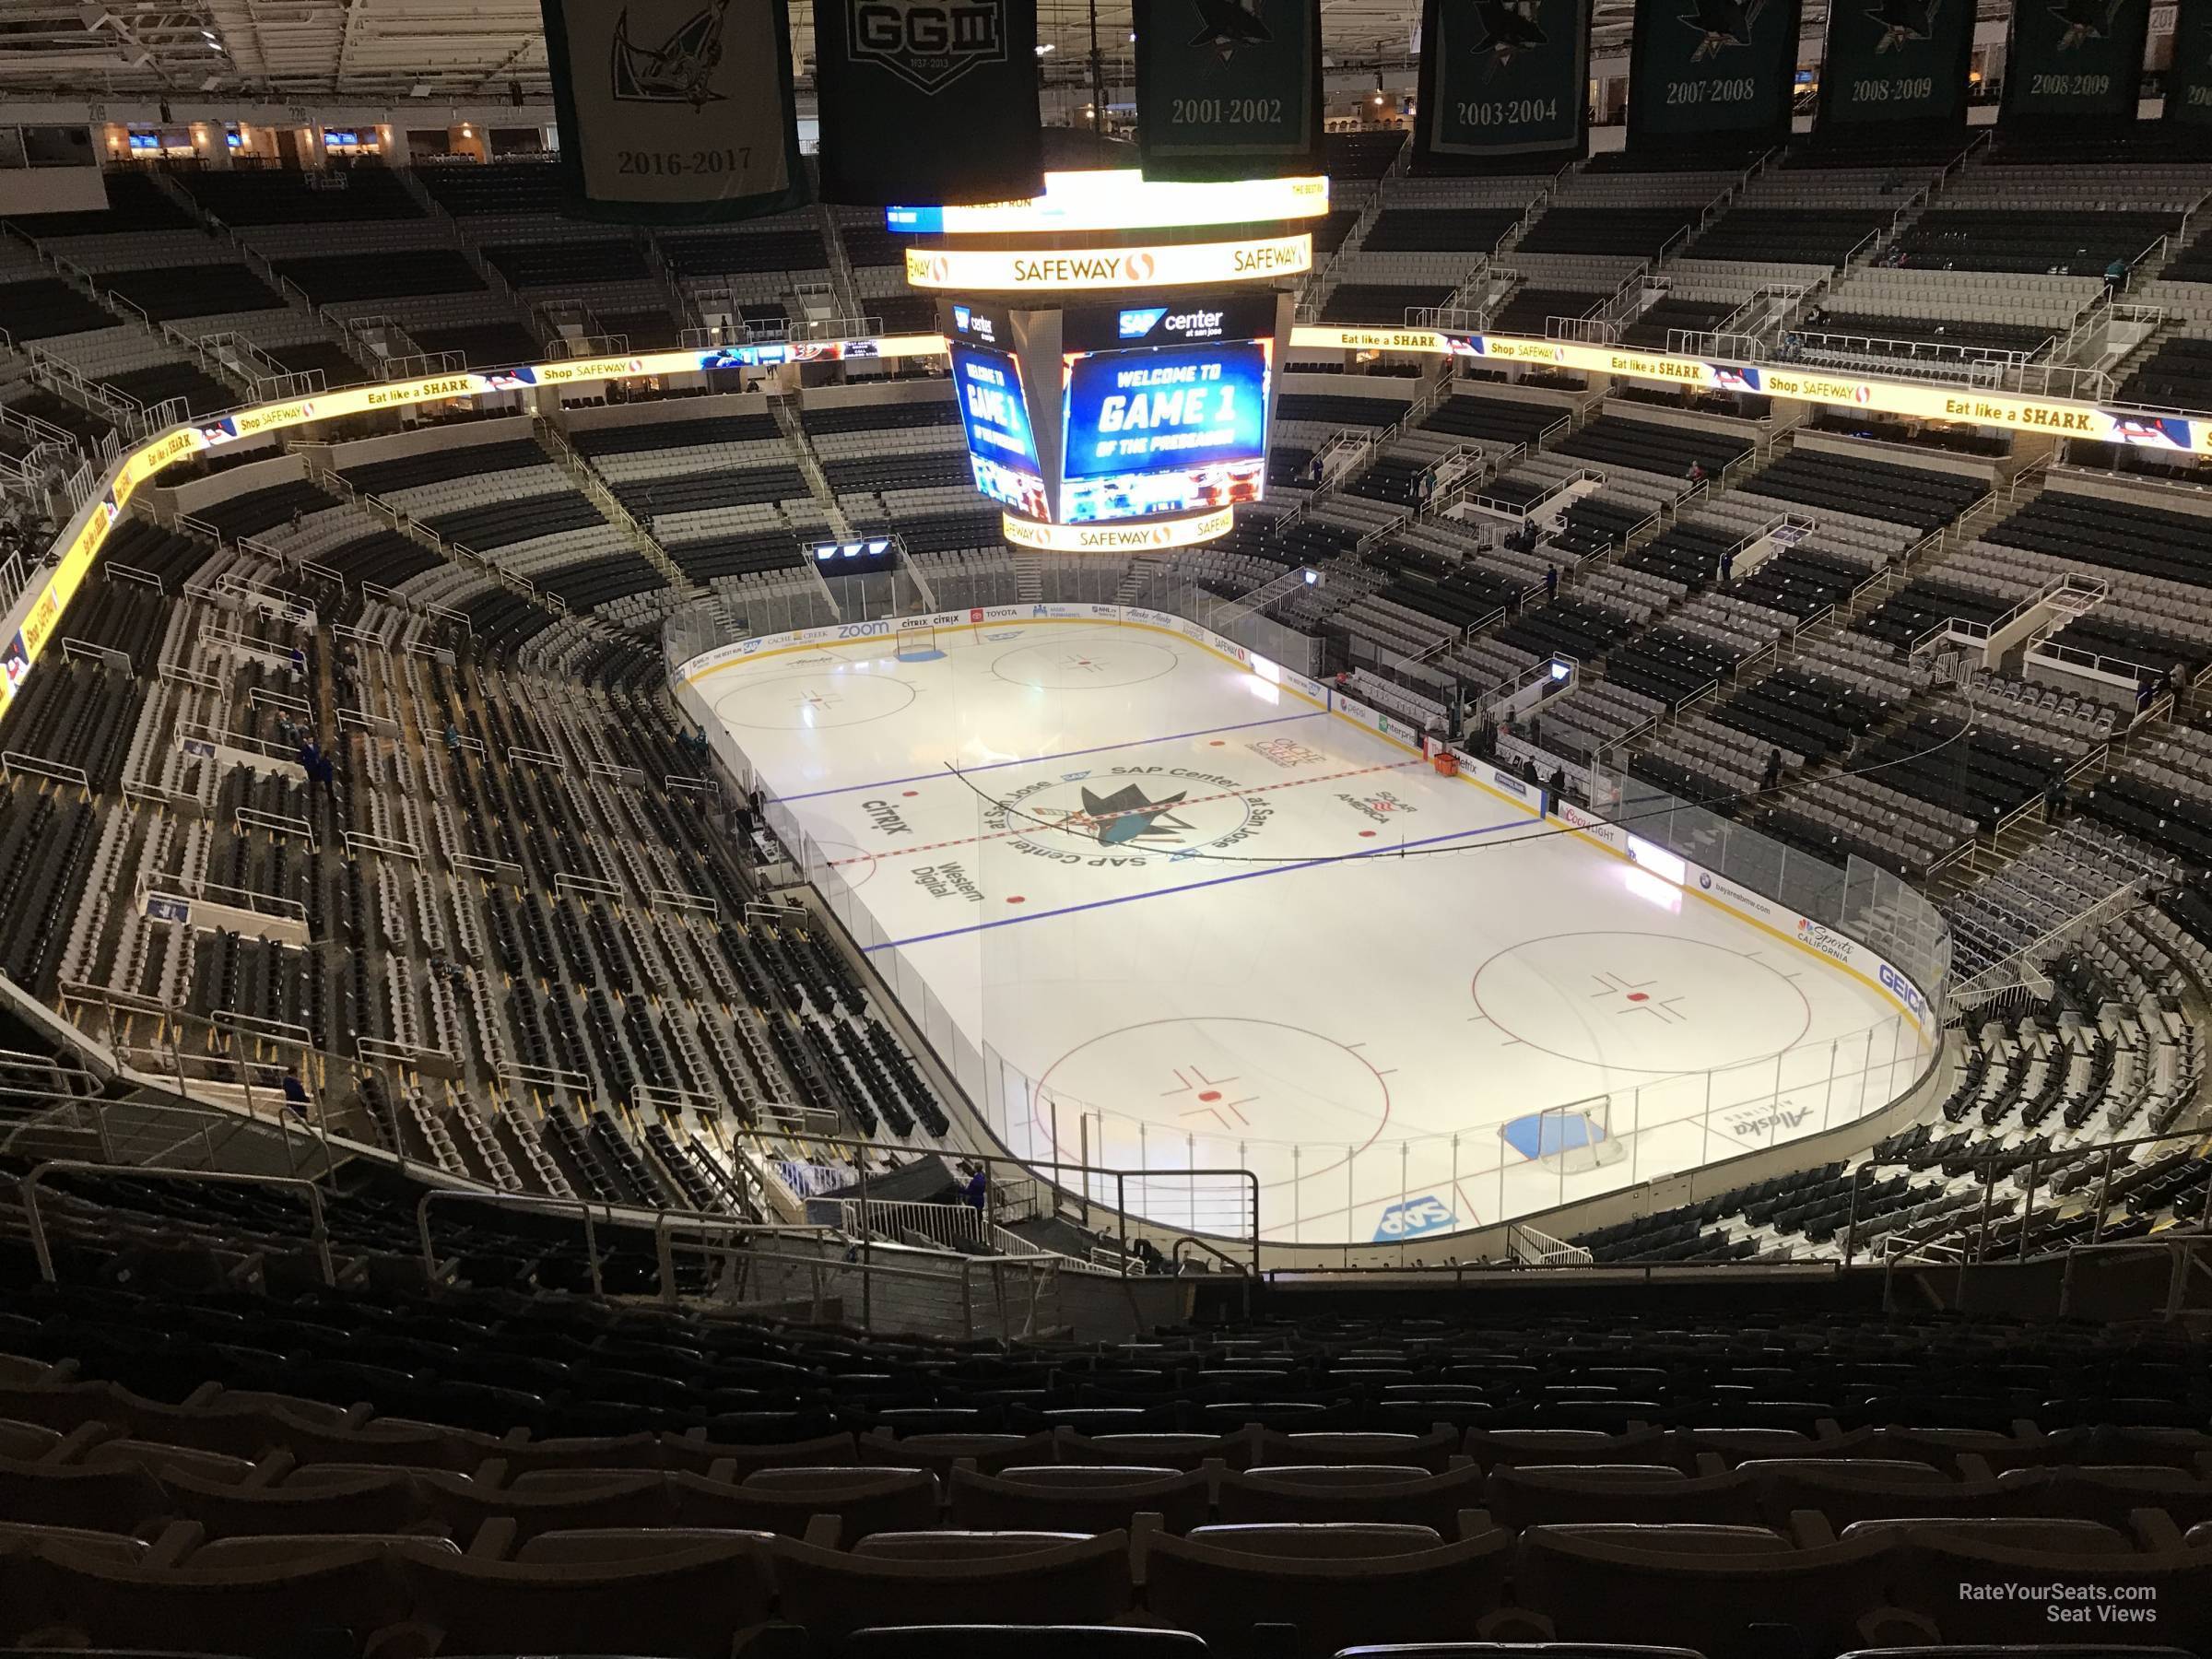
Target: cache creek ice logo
x=1128, y=816
x=927, y=45
x=1414, y=1217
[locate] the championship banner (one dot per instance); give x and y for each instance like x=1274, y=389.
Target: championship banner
x=675, y=112
x=2189, y=81
x=1895, y=64
x=924, y=101
x=1229, y=89
x=1713, y=70
x=1502, y=77
x=2074, y=59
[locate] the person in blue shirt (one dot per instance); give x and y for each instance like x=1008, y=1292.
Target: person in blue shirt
x=295, y=1096
x=978, y=1190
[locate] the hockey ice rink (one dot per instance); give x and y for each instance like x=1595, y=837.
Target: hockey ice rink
x=1171, y=915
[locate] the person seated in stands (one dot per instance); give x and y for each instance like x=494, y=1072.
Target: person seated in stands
x=295, y=1095
x=1696, y=474
x=453, y=737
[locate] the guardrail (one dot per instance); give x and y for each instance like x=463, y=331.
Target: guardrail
x=35, y=1223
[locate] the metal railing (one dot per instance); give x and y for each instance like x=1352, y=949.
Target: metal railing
x=35, y=1222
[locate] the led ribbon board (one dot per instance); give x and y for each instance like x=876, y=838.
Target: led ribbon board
x=1050, y=270
x=1120, y=201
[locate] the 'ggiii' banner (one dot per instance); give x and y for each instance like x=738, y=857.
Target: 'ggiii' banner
x=2189, y=81
x=1502, y=77
x=675, y=111
x=927, y=102
x=1229, y=89
x=1720, y=72
x=1894, y=64
x=2074, y=59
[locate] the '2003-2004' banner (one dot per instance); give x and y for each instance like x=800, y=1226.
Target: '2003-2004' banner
x=1502, y=77
x=675, y=111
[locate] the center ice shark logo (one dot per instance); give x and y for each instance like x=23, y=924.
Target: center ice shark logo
x=1509, y=26
x=1903, y=22
x=1723, y=23
x=676, y=71
x=1127, y=818
x=2085, y=20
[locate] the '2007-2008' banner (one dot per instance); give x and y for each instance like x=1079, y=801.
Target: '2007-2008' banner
x=1713, y=72
x=2074, y=59
x=1502, y=77
x=927, y=101
x=1229, y=89
x=675, y=111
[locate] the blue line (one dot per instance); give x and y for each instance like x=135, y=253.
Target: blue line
x=1310, y=863
x=1061, y=754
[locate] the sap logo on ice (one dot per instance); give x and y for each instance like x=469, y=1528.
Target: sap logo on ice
x=1415, y=1215
x=1136, y=325
x=1907, y=992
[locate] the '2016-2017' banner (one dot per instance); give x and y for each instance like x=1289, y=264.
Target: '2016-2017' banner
x=1229, y=89
x=924, y=100
x=2074, y=59
x=675, y=112
x=1502, y=77
x=1717, y=72
x=1894, y=66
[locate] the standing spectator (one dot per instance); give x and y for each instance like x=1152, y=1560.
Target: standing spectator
x=297, y=516
x=453, y=737
x=1727, y=565
x=311, y=759
x=1551, y=582
x=295, y=1095
x=2115, y=279
x=1771, y=779
x=2054, y=797
x=978, y=1192
x=1424, y=487
x=1696, y=474
x=1528, y=772
x=298, y=664
x=327, y=774
x=1555, y=791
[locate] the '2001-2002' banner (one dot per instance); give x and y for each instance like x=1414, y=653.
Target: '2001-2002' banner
x=1229, y=89
x=1502, y=77
x=1713, y=70
x=675, y=111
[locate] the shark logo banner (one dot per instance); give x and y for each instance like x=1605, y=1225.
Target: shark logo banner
x=1229, y=89
x=2189, y=81
x=2074, y=60
x=928, y=100
x=1895, y=64
x=675, y=112
x=1502, y=77
x=1716, y=71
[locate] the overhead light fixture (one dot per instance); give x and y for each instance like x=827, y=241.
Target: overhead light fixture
x=1047, y=46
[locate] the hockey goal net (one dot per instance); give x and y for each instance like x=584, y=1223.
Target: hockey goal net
x=916, y=644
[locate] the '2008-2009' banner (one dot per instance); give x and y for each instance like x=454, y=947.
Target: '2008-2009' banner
x=2074, y=59
x=1229, y=89
x=1502, y=77
x=675, y=111
x=1895, y=65
x=1717, y=72
x=2189, y=81
x=929, y=102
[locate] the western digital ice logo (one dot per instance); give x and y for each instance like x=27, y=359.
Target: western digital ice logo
x=1136, y=325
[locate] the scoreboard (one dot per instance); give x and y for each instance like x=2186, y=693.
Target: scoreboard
x=1149, y=409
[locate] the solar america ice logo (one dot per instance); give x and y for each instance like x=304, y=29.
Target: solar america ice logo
x=1723, y=23
x=925, y=44
x=1509, y=26
x=676, y=71
x=1224, y=26
x=2085, y=20
x=1903, y=22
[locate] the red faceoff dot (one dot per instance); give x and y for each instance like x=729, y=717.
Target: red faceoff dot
x=908, y=793
x=1217, y=743
x=1017, y=899
x=1638, y=996
x=1367, y=835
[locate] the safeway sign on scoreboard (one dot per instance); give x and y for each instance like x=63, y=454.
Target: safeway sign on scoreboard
x=985, y=271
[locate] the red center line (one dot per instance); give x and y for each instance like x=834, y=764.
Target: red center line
x=1225, y=794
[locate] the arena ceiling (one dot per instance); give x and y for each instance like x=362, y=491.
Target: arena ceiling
x=392, y=50
x=389, y=51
